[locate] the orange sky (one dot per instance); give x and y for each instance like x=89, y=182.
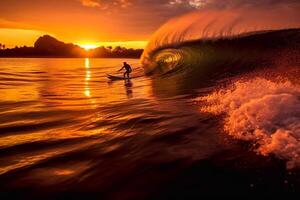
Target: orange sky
x=84, y=22
x=128, y=23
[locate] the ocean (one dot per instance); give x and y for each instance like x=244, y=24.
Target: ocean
x=69, y=132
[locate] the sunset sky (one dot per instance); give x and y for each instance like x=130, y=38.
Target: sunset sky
x=127, y=23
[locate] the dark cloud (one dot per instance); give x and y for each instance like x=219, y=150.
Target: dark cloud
x=182, y=4
x=153, y=13
x=240, y=3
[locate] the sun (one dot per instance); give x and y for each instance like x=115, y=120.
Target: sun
x=88, y=46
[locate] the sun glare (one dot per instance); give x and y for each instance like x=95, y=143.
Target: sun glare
x=88, y=46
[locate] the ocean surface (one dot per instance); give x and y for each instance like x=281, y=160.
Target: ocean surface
x=66, y=131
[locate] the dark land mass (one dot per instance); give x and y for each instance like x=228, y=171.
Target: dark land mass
x=47, y=46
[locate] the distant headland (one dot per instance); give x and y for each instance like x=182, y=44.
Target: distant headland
x=48, y=46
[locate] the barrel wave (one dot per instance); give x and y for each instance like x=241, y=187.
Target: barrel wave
x=255, y=57
x=208, y=41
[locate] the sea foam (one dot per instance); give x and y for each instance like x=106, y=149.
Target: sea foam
x=263, y=112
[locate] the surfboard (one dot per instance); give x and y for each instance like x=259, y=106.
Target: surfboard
x=116, y=78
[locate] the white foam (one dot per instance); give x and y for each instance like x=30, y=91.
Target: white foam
x=264, y=112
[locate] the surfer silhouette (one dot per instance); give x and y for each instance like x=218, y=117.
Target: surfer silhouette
x=128, y=69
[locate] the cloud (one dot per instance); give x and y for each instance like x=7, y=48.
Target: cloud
x=105, y=4
x=191, y=3
x=145, y=16
x=199, y=4
x=90, y=3
x=179, y=5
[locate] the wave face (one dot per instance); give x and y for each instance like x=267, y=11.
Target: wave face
x=193, y=40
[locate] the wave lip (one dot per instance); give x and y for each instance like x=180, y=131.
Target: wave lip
x=263, y=112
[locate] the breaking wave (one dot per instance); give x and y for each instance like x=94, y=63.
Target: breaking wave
x=204, y=41
x=261, y=111
x=215, y=45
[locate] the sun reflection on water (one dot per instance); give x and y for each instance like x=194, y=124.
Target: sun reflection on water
x=50, y=101
x=87, y=91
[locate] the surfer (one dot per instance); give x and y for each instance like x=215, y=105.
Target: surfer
x=128, y=69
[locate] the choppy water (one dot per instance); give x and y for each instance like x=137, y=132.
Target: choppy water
x=66, y=131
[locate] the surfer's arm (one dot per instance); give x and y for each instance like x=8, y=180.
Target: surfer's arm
x=121, y=69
